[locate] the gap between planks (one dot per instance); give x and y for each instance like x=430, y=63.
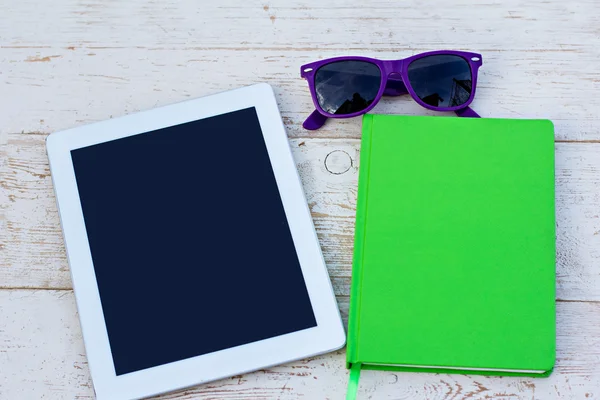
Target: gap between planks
x=597, y=141
x=327, y=137
x=339, y=296
x=369, y=49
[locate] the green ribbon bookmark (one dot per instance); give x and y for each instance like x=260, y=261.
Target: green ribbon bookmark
x=353, y=381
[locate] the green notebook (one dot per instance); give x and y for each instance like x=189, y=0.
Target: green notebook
x=454, y=258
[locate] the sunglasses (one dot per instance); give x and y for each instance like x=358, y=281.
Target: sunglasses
x=345, y=87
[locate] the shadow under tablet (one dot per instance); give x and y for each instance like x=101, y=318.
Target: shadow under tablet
x=190, y=243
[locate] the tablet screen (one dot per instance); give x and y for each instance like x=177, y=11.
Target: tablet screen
x=190, y=243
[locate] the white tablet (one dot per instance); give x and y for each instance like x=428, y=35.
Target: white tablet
x=191, y=246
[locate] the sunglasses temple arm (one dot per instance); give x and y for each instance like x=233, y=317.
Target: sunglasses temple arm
x=467, y=113
x=314, y=121
x=317, y=120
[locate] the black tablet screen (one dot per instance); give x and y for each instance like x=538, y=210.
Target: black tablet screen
x=190, y=243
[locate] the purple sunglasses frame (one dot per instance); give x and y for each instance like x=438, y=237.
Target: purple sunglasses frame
x=394, y=82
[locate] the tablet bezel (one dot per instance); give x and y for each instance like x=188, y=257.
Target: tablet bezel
x=327, y=336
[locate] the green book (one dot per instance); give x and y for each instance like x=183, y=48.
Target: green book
x=454, y=257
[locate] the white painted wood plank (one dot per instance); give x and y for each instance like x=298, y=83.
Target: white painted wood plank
x=42, y=356
x=66, y=63
x=71, y=63
x=32, y=245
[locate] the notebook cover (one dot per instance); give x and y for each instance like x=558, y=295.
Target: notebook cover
x=454, y=260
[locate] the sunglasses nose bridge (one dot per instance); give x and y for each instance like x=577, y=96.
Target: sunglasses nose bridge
x=398, y=65
x=394, y=67
x=394, y=85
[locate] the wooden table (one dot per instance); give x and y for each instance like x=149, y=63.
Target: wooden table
x=68, y=63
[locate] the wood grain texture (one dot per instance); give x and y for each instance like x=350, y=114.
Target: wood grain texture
x=41, y=347
x=34, y=255
x=84, y=61
x=70, y=62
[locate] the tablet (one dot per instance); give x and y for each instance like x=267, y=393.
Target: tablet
x=191, y=246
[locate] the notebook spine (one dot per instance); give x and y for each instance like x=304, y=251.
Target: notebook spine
x=359, y=236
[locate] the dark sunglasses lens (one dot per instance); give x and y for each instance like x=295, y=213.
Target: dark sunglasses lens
x=441, y=81
x=346, y=87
